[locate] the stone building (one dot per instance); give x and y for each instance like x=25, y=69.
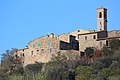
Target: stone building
x=99, y=38
x=42, y=49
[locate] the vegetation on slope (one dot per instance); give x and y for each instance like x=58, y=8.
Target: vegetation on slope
x=106, y=67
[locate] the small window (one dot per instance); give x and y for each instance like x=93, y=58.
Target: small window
x=107, y=43
x=23, y=50
x=85, y=37
x=37, y=50
x=78, y=30
x=39, y=44
x=82, y=54
x=100, y=15
x=32, y=52
x=23, y=54
x=100, y=43
x=16, y=56
x=33, y=45
x=94, y=37
x=78, y=36
x=42, y=50
x=91, y=56
x=51, y=50
x=48, y=43
x=100, y=26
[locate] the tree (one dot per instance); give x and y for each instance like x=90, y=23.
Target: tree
x=106, y=51
x=84, y=73
x=89, y=51
x=56, y=72
x=6, y=61
x=3, y=74
x=58, y=69
x=33, y=68
x=114, y=44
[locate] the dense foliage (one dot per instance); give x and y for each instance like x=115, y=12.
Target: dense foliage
x=106, y=67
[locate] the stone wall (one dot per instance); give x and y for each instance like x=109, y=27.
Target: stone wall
x=80, y=31
x=72, y=44
x=90, y=40
x=70, y=54
x=86, y=41
x=42, y=49
x=102, y=34
x=20, y=55
x=64, y=38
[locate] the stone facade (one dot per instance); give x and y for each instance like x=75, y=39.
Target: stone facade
x=80, y=31
x=102, y=19
x=44, y=48
x=91, y=40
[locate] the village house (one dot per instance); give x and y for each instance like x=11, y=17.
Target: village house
x=42, y=49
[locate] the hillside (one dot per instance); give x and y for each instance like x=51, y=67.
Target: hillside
x=93, y=65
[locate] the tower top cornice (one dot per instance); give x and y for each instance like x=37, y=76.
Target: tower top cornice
x=101, y=8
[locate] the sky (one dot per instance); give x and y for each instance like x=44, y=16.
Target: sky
x=22, y=21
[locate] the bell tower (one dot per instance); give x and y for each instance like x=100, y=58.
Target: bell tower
x=101, y=19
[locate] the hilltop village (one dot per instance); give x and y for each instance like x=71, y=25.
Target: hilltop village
x=42, y=49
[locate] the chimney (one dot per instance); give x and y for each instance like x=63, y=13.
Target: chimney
x=51, y=35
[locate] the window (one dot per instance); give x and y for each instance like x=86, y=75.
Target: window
x=51, y=50
x=42, y=50
x=100, y=43
x=78, y=36
x=100, y=15
x=48, y=43
x=85, y=37
x=107, y=43
x=23, y=50
x=82, y=54
x=78, y=30
x=32, y=52
x=39, y=44
x=37, y=50
x=94, y=37
x=33, y=45
x=16, y=56
x=23, y=54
